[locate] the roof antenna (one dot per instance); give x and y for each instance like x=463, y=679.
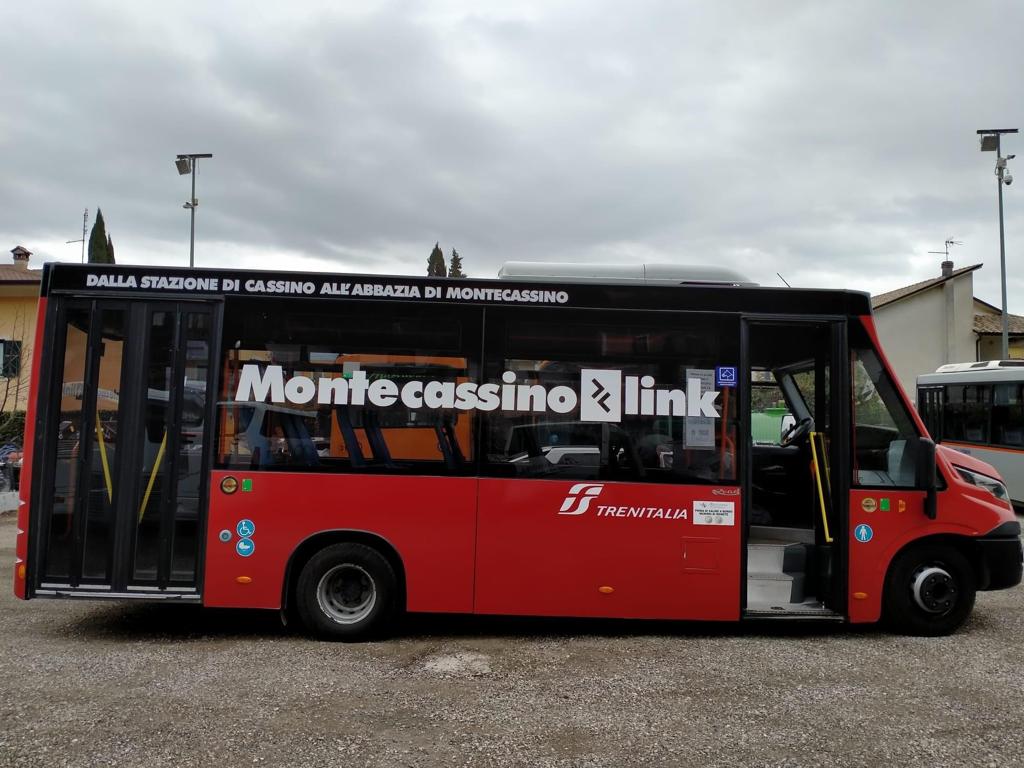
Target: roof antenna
x=947, y=265
x=784, y=280
x=945, y=252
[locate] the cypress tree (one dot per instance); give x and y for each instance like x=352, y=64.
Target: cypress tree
x=455, y=267
x=435, y=263
x=110, y=248
x=99, y=250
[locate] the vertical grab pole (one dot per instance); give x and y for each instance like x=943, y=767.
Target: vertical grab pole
x=103, y=457
x=152, y=476
x=817, y=480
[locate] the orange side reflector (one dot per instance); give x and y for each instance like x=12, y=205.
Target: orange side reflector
x=606, y=590
x=21, y=571
x=243, y=579
x=860, y=595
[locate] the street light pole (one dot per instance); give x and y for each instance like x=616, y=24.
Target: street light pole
x=1004, y=353
x=990, y=141
x=85, y=230
x=192, y=216
x=188, y=164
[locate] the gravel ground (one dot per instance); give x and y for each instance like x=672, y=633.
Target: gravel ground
x=91, y=683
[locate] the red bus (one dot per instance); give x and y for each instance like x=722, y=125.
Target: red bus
x=256, y=440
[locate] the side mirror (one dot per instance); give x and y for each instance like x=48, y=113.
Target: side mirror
x=926, y=476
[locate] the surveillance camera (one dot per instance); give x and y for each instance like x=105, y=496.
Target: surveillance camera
x=1008, y=179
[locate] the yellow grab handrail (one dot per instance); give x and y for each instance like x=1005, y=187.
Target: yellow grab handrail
x=828, y=471
x=817, y=480
x=152, y=476
x=103, y=458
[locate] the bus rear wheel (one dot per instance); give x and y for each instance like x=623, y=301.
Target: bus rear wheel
x=346, y=592
x=930, y=591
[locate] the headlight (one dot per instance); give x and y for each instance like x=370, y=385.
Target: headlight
x=990, y=484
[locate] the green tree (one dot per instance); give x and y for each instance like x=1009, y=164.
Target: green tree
x=455, y=266
x=101, y=250
x=435, y=264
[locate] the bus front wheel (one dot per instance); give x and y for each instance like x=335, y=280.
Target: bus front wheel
x=346, y=592
x=929, y=591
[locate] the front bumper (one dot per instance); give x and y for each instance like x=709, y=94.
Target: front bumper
x=1000, y=557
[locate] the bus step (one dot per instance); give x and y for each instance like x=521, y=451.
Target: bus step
x=793, y=612
x=776, y=557
x=774, y=588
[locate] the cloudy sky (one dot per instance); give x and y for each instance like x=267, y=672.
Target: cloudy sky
x=832, y=142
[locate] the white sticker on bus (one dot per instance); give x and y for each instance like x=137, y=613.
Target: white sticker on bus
x=714, y=513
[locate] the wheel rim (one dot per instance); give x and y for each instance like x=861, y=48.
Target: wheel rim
x=934, y=589
x=346, y=594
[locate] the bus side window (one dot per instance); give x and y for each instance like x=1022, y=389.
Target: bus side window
x=652, y=438
x=1007, y=415
x=883, y=429
x=344, y=353
x=967, y=412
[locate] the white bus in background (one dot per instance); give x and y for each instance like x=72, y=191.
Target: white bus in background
x=978, y=408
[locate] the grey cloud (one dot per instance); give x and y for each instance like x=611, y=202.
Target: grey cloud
x=821, y=140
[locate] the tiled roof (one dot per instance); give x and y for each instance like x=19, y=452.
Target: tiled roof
x=993, y=324
x=901, y=293
x=12, y=274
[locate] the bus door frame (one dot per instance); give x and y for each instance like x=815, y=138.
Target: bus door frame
x=138, y=310
x=841, y=448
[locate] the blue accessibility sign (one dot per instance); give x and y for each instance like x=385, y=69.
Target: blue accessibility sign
x=725, y=376
x=863, y=533
x=245, y=547
x=245, y=528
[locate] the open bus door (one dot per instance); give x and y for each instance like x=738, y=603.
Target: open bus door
x=118, y=497
x=797, y=481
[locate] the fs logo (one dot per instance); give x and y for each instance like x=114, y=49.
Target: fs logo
x=580, y=495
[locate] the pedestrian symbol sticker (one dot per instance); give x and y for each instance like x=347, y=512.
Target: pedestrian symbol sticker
x=863, y=533
x=245, y=547
x=245, y=528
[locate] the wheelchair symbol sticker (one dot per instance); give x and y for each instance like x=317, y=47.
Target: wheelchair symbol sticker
x=863, y=533
x=245, y=528
x=725, y=376
x=245, y=547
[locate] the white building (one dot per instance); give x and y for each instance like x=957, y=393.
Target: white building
x=939, y=321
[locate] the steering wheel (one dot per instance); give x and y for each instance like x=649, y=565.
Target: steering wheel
x=797, y=431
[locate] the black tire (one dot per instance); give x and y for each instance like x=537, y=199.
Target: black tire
x=929, y=591
x=346, y=592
